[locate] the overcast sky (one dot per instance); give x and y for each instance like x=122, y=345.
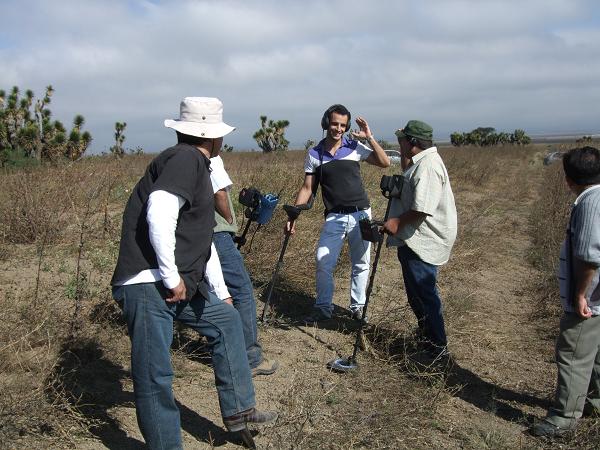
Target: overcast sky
x=532, y=64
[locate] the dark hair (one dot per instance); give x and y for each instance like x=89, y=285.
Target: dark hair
x=423, y=143
x=189, y=139
x=582, y=165
x=337, y=108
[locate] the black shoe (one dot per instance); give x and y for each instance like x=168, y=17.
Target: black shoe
x=433, y=358
x=543, y=428
x=438, y=352
x=240, y=421
x=590, y=411
x=315, y=316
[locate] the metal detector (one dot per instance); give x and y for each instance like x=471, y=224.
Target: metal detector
x=259, y=209
x=391, y=187
x=293, y=212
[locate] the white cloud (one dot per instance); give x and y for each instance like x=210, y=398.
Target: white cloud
x=456, y=63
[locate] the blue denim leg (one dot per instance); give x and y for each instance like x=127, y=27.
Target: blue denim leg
x=150, y=324
x=420, y=282
x=360, y=255
x=330, y=244
x=221, y=325
x=240, y=287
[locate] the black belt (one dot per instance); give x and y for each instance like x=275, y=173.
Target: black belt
x=345, y=209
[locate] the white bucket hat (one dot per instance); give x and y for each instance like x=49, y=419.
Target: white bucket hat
x=200, y=117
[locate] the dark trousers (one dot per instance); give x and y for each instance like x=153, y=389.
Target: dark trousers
x=423, y=297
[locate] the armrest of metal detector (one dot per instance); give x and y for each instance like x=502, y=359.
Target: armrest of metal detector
x=294, y=211
x=369, y=229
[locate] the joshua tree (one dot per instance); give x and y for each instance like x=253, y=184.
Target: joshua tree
x=117, y=149
x=37, y=135
x=520, y=138
x=587, y=140
x=270, y=136
x=457, y=139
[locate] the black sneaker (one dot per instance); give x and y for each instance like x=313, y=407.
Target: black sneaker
x=543, y=428
x=315, y=316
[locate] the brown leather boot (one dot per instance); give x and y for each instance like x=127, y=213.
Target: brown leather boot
x=240, y=421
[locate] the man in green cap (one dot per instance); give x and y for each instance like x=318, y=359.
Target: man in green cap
x=422, y=223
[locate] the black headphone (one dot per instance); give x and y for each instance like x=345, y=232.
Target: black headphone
x=411, y=140
x=340, y=109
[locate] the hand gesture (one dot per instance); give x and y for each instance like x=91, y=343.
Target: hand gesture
x=365, y=131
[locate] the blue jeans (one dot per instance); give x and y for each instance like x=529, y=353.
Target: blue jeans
x=150, y=324
x=420, y=283
x=240, y=287
x=335, y=230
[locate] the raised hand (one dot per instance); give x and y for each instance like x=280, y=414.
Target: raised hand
x=364, y=130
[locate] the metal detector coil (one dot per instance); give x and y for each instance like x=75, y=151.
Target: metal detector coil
x=343, y=365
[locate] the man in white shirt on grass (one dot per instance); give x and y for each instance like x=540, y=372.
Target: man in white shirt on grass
x=422, y=224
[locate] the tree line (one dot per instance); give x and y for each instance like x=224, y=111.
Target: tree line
x=27, y=130
x=487, y=137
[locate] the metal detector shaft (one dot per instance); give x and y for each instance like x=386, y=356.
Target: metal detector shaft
x=241, y=240
x=274, y=276
x=369, y=288
x=292, y=212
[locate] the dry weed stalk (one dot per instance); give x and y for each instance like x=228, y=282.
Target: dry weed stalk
x=83, y=219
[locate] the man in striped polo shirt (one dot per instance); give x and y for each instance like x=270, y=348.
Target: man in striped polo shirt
x=334, y=165
x=578, y=343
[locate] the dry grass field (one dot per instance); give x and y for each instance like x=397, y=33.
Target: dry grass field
x=64, y=352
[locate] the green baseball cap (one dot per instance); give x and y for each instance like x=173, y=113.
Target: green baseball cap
x=416, y=129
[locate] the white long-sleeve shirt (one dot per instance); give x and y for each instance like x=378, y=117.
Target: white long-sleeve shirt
x=213, y=273
x=161, y=214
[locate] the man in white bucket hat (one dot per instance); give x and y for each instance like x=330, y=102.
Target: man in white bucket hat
x=159, y=277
